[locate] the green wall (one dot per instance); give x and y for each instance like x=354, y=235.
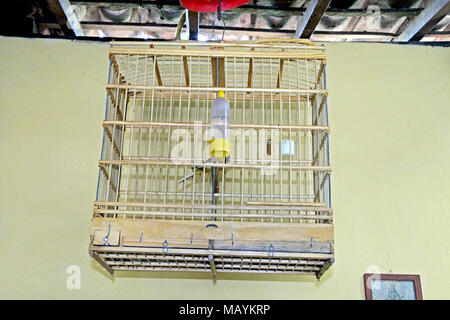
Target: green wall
x=389, y=112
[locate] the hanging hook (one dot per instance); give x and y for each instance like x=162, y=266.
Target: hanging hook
x=106, y=238
x=219, y=17
x=271, y=250
x=224, y=27
x=165, y=246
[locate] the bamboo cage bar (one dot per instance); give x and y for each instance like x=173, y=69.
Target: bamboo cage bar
x=271, y=213
x=224, y=53
x=216, y=88
x=203, y=164
x=190, y=125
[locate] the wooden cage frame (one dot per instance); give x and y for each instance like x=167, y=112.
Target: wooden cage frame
x=271, y=212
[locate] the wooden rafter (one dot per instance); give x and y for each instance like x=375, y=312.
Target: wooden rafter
x=59, y=15
x=71, y=17
x=311, y=18
x=193, y=18
x=424, y=22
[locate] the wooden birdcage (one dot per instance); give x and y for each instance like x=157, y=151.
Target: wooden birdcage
x=269, y=207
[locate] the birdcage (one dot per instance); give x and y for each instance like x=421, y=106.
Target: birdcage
x=165, y=204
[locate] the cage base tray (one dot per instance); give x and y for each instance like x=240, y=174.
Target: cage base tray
x=121, y=244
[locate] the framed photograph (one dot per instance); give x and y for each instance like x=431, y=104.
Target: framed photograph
x=392, y=286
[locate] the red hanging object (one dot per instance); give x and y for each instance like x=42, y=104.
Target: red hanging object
x=211, y=5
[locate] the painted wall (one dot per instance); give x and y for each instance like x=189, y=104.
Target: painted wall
x=389, y=112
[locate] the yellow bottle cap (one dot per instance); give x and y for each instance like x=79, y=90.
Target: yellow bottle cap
x=220, y=147
x=220, y=94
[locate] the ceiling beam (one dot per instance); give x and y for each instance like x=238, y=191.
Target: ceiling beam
x=193, y=23
x=273, y=11
x=425, y=21
x=311, y=18
x=258, y=32
x=60, y=17
x=71, y=17
x=161, y=28
x=253, y=17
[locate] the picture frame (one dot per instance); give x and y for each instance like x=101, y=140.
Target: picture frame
x=378, y=286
